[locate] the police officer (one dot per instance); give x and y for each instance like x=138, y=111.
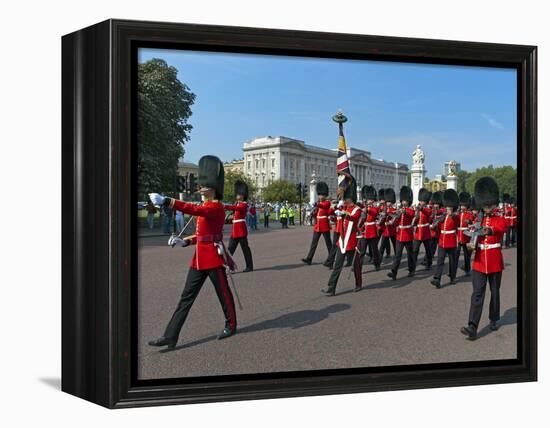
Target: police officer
x=488, y=262
x=404, y=239
x=283, y=216
x=321, y=212
x=208, y=260
x=239, y=231
x=447, y=225
x=347, y=241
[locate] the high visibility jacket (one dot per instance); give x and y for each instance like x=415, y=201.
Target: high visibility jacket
x=283, y=213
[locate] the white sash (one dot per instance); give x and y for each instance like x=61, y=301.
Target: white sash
x=349, y=227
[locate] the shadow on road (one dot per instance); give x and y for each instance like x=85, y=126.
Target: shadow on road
x=298, y=319
x=285, y=267
x=509, y=317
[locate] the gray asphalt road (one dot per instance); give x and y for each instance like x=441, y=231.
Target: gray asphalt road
x=288, y=325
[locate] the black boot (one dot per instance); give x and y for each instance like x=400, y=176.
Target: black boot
x=248, y=269
x=470, y=332
x=328, y=292
x=306, y=261
x=493, y=326
x=435, y=283
x=357, y=288
x=226, y=332
x=163, y=341
x=392, y=275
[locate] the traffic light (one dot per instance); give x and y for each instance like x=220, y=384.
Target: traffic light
x=299, y=189
x=192, y=183
x=181, y=183
x=304, y=191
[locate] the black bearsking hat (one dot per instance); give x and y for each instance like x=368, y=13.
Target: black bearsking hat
x=424, y=195
x=322, y=188
x=351, y=191
x=450, y=198
x=406, y=194
x=437, y=197
x=241, y=188
x=473, y=203
x=486, y=192
x=211, y=174
x=513, y=200
x=382, y=194
x=506, y=198
x=389, y=194
x=369, y=193
x=464, y=198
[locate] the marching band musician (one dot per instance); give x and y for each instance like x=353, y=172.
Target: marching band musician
x=322, y=225
x=347, y=241
x=389, y=231
x=208, y=260
x=422, y=233
x=369, y=233
x=511, y=217
x=239, y=231
x=404, y=219
x=447, y=224
x=465, y=218
x=437, y=210
x=337, y=206
x=488, y=262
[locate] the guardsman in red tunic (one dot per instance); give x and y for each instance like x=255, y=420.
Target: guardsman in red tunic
x=422, y=232
x=448, y=241
x=336, y=236
x=389, y=231
x=437, y=211
x=511, y=217
x=488, y=262
x=369, y=234
x=347, y=242
x=465, y=219
x=208, y=260
x=321, y=213
x=404, y=222
x=239, y=232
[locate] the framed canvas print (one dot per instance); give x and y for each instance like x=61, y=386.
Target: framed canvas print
x=253, y=213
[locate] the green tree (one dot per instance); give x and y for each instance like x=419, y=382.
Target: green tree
x=462, y=180
x=505, y=176
x=280, y=191
x=164, y=107
x=229, y=185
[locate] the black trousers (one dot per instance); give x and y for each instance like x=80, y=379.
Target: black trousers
x=334, y=248
x=479, y=282
x=338, y=265
x=435, y=244
x=266, y=221
x=385, y=244
x=399, y=246
x=467, y=256
x=291, y=221
x=511, y=236
x=441, y=253
x=193, y=284
x=232, y=246
x=427, y=249
x=284, y=222
x=370, y=245
x=315, y=241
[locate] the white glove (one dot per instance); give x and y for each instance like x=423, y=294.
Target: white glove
x=174, y=240
x=156, y=199
x=338, y=213
x=340, y=204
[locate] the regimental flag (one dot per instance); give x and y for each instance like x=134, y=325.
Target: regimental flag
x=342, y=163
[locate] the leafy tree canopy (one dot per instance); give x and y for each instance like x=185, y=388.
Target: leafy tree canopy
x=280, y=191
x=505, y=176
x=229, y=185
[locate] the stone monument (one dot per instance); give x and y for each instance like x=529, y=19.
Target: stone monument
x=313, y=189
x=417, y=172
x=452, y=179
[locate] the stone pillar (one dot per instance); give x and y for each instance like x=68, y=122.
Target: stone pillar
x=417, y=180
x=313, y=189
x=452, y=182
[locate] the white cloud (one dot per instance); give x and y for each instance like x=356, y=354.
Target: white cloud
x=492, y=121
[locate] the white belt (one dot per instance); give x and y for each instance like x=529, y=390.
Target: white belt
x=370, y=223
x=321, y=216
x=446, y=232
x=404, y=227
x=510, y=217
x=462, y=228
x=488, y=246
x=423, y=225
x=239, y=220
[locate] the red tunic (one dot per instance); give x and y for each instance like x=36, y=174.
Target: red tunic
x=447, y=232
x=348, y=235
x=323, y=211
x=511, y=216
x=488, y=254
x=405, y=226
x=210, y=220
x=435, y=232
x=464, y=219
x=370, y=230
x=422, y=232
x=239, y=229
x=389, y=229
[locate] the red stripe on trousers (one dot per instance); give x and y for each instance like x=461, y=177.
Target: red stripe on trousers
x=229, y=303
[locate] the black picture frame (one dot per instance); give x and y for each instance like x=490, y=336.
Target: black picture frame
x=98, y=226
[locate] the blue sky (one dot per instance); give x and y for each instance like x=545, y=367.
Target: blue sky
x=462, y=113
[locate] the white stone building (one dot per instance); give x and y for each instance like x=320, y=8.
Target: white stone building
x=273, y=158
